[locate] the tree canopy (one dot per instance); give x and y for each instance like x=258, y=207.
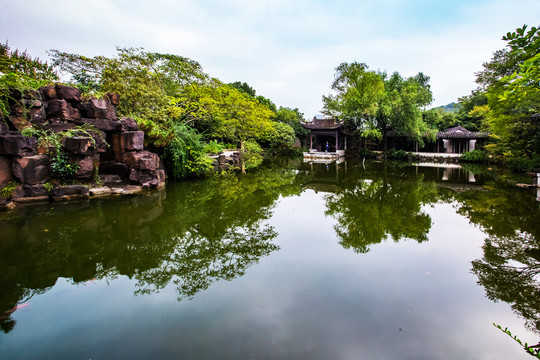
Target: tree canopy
x=375, y=103
x=512, y=87
x=177, y=104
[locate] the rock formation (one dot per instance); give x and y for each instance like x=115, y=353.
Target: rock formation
x=113, y=155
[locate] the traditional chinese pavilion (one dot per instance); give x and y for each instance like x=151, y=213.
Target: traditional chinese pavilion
x=458, y=140
x=326, y=139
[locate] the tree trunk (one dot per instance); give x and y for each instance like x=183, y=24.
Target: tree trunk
x=242, y=165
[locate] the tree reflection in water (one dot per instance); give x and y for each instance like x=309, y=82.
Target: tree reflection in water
x=510, y=268
x=204, y=231
x=373, y=204
x=380, y=201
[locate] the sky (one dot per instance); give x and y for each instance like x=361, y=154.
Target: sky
x=287, y=50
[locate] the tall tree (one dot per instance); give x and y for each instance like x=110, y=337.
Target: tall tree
x=399, y=110
x=376, y=103
x=357, y=93
x=514, y=98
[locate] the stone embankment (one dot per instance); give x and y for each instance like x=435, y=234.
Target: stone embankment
x=226, y=159
x=108, y=153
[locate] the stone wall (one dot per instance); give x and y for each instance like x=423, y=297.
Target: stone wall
x=115, y=152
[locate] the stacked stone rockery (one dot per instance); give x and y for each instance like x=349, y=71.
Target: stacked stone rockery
x=116, y=147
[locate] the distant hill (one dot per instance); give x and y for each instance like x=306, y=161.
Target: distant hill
x=452, y=107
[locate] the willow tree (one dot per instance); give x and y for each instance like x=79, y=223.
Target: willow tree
x=375, y=103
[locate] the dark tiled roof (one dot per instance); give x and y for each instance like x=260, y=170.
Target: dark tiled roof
x=323, y=124
x=459, y=132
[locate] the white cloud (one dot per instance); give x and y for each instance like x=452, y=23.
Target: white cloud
x=287, y=50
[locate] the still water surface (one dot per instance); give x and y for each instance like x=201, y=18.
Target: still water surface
x=290, y=261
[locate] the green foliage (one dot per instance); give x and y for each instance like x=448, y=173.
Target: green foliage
x=398, y=154
x=439, y=119
x=61, y=166
x=48, y=186
x=244, y=87
x=22, y=63
x=252, y=155
x=370, y=100
x=466, y=114
x=358, y=92
x=213, y=147
x=474, y=156
x=371, y=135
x=399, y=110
x=8, y=189
x=293, y=118
x=514, y=101
x=279, y=135
x=534, y=351
x=184, y=154
x=20, y=73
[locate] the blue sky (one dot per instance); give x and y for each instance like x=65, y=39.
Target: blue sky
x=287, y=50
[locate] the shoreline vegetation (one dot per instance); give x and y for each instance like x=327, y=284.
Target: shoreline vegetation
x=187, y=115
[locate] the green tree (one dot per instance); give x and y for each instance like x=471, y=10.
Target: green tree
x=514, y=98
x=244, y=87
x=468, y=103
x=172, y=99
x=439, y=119
x=23, y=64
x=20, y=73
x=293, y=118
x=378, y=103
x=358, y=92
x=399, y=110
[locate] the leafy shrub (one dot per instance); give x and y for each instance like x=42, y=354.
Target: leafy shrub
x=213, y=147
x=252, y=154
x=366, y=153
x=61, y=166
x=185, y=154
x=278, y=135
x=474, y=156
x=397, y=154
x=7, y=190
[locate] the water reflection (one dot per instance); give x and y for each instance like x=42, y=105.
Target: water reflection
x=380, y=201
x=199, y=232
x=509, y=270
x=203, y=231
x=374, y=202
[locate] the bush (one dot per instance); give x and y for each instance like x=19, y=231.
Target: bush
x=185, y=154
x=366, y=153
x=213, y=147
x=397, y=154
x=7, y=190
x=61, y=166
x=252, y=154
x=474, y=156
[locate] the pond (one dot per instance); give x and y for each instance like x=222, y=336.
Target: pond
x=358, y=260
